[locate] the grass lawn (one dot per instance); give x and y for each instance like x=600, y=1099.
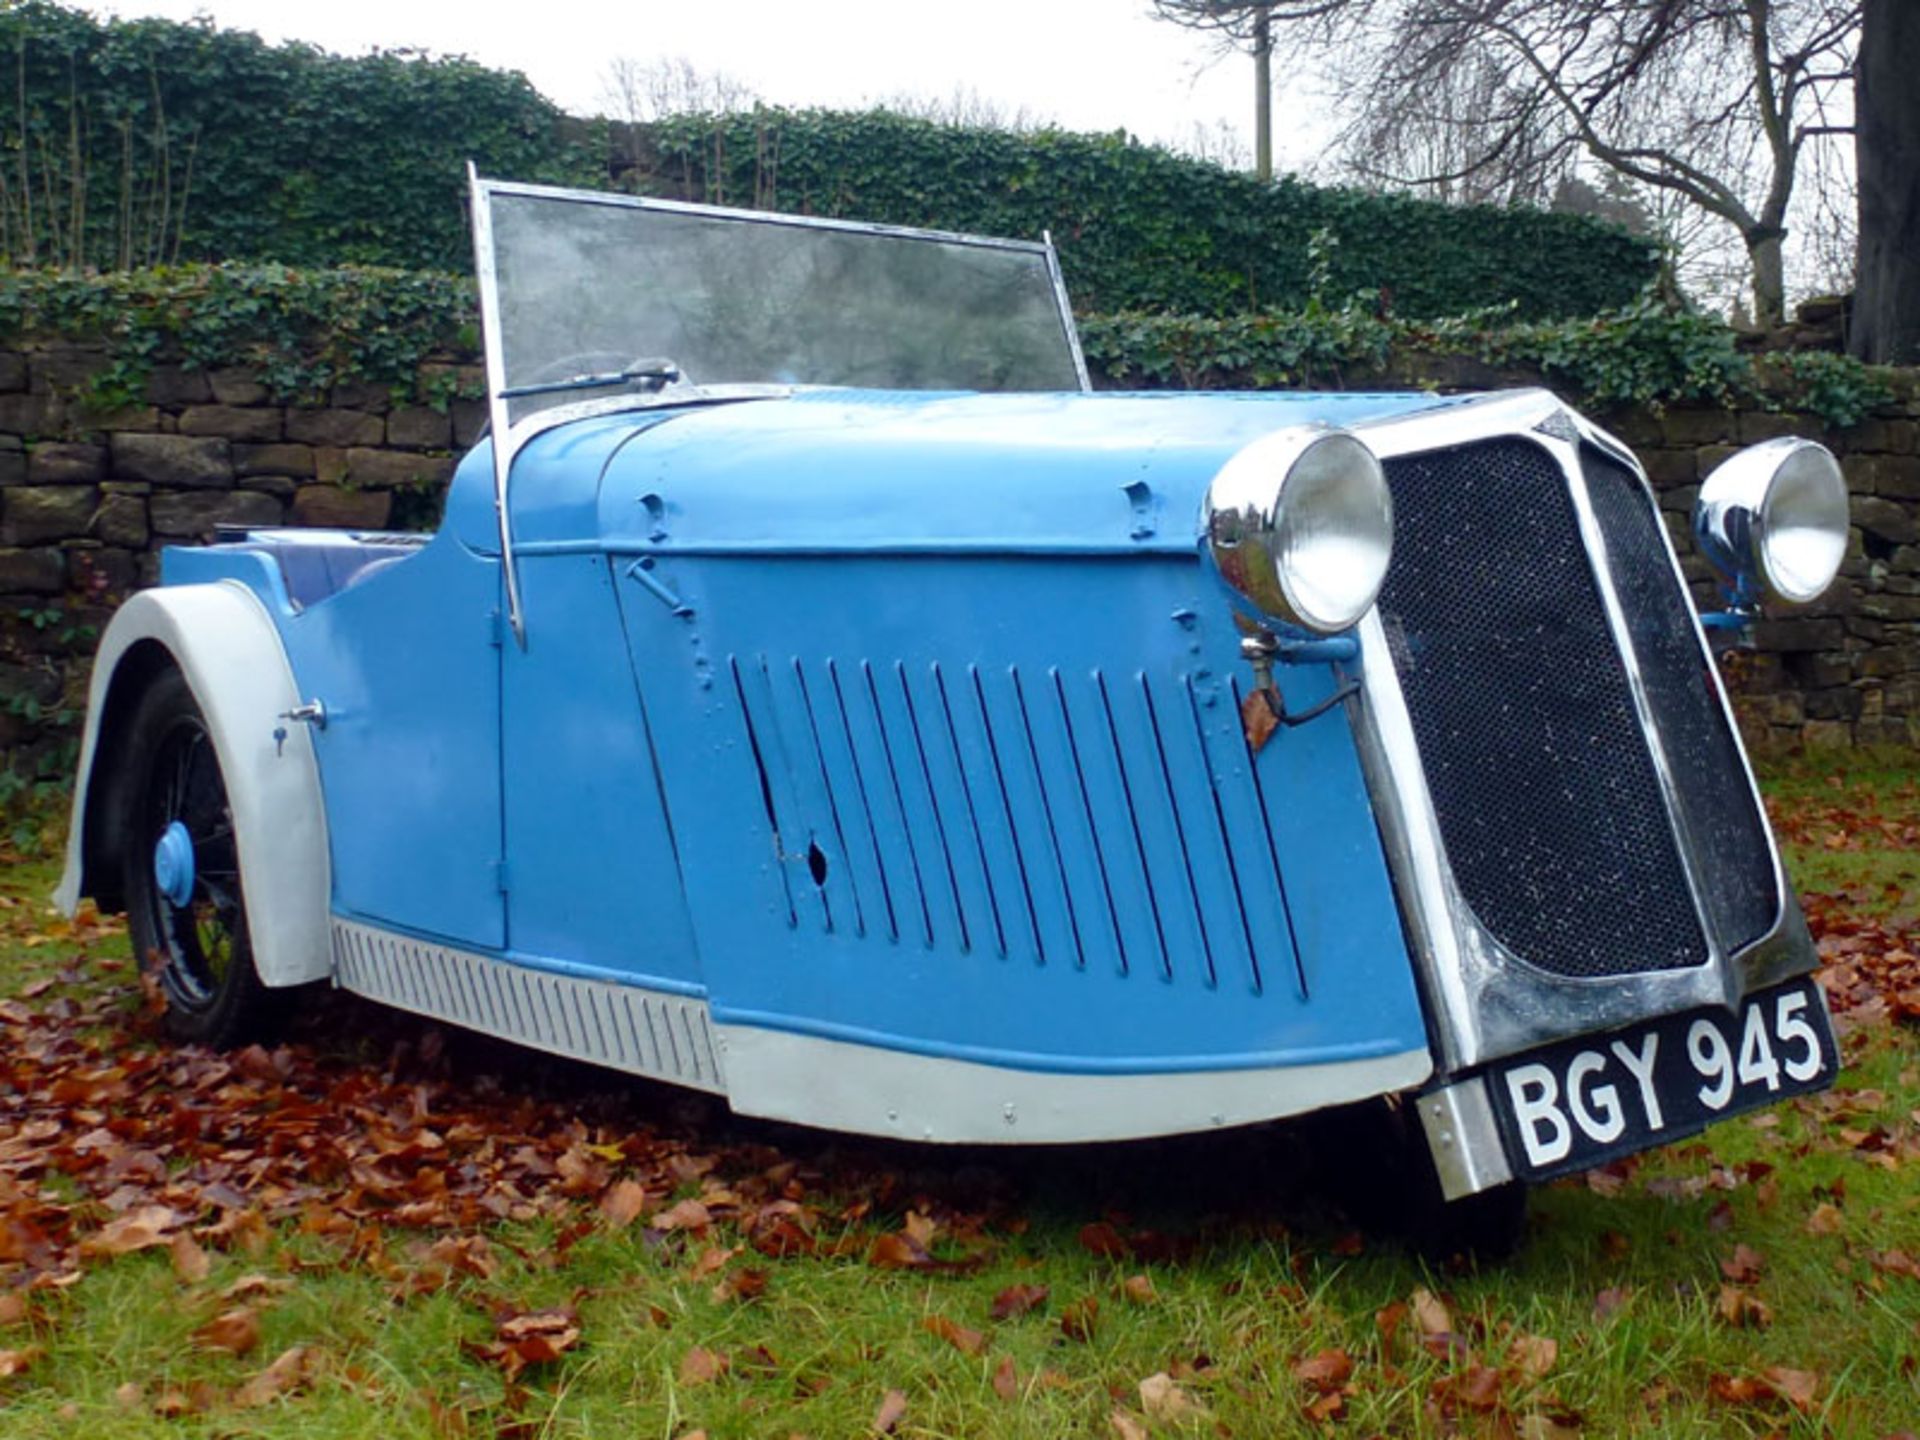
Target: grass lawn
x=384, y=1229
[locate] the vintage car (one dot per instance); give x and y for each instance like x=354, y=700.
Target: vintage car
x=816, y=696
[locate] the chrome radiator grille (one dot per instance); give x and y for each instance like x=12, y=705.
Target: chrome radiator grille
x=1546, y=792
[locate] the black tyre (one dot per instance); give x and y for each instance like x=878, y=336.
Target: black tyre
x=180, y=872
x=1377, y=1163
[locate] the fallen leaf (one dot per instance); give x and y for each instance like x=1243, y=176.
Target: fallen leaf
x=967, y=1342
x=1743, y=1267
x=1006, y=1380
x=140, y=1229
x=1079, y=1319
x=288, y=1373
x=253, y=1283
x=1739, y=1307
x=1139, y=1290
x=1103, y=1240
x=701, y=1365
x=743, y=1284
x=191, y=1263
x=236, y=1331
x=1328, y=1370
x=13, y=1362
x=1797, y=1387
x=1826, y=1219
x=687, y=1215
x=1126, y=1425
x=622, y=1203
x=893, y=1409
x=1017, y=1300
x=1533, y=1355
x=1430, y=1314
x=1608, y=1301
x=1167, y=1401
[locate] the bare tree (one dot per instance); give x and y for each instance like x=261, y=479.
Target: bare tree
x=639, y=90
x=1715, y=101
x=1886, y=310
x=966, y=108
x=1249, y=25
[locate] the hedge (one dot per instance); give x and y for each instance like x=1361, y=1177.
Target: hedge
x=150, y=141
x=1140, y=228
x=303, y=331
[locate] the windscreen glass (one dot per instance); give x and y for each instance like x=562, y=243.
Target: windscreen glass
x=589, y=286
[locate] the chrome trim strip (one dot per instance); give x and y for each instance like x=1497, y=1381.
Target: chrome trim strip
x=1066, y=312
x=1567, y=454
x=487, y=277
x=757, y=217
x=1464, y=1139
x=540, y=1008
x=1485, y=1002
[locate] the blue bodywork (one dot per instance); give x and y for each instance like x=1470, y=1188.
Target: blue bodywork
x=905, y=719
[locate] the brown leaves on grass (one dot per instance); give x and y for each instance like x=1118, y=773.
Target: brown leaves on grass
x=893, y=1409
x=701, y=1366
x=1777, y=1384
x=1168, y=1402
x=236, y=1331
x=528, y=1337
x=290, y=1373
x=1017, y=1300
x=1741, y=1308
x=1080, y=1318
x=967, y=1342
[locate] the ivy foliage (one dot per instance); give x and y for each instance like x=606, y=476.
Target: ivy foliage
x=134, y=142
x=1140, y=228
x=299, y=332
x=1639, y=355
x=303, y=331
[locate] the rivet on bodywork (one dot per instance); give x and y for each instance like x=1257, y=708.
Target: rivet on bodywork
x=1007, y=1114
x=656, y=509
x=1140, y=496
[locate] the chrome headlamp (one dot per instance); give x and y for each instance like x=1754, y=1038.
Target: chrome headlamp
x=1299, y=525
x=1774, y=518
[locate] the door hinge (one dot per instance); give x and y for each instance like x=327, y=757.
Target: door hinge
x=502, y=878
x=496, y=629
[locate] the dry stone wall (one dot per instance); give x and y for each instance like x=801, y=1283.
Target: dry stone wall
x=88, y=500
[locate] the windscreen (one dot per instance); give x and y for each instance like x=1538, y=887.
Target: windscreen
x=598, y=285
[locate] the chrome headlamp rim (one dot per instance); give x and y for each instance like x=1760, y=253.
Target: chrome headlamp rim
x=1281, y=495
x=1739, y=529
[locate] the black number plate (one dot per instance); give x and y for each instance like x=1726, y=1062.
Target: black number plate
x=1581, y=1102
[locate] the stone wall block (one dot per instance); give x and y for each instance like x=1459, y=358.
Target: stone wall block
x=331, y=507
x=258, y=423
x=273, y=459
x=13, y=370
x=184, y=460
x=1758, y=425
x=236, y=387
x=469, y=419
x=32, y=572
x=281, y=487
x=33, y=514
x=31, y=414
x=13, y=466
x=1695, y=428
x=128, y=417
x=103, y=572
x=122, y=520
x=418, y=427
x=335, y=427
x=382, y=469
x=195, y=513
x=1887, y=519
x=362, y=395
x=61, y=462
x=172, y=385
x=65, y=367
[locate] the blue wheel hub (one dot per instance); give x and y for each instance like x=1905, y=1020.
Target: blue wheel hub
x=173, y=865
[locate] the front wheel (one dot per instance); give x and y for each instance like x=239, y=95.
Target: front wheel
x=180, y=871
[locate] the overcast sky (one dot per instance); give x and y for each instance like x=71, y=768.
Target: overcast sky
x=1087, y=64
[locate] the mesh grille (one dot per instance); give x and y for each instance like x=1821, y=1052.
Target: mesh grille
x=1546, y=795
x=1716, y=799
